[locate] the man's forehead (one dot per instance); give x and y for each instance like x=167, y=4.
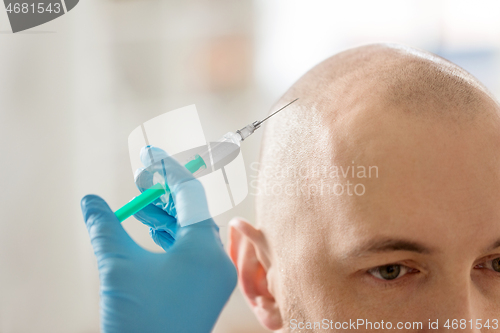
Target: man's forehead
x=425, y=144
x=376, y=132
x=432, y=180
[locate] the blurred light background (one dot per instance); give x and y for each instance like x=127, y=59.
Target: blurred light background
x=73, y=89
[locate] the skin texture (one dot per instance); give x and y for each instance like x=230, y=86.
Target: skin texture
x=431, y=206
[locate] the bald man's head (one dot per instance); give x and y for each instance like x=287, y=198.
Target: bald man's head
x=378, y=198
x=345, y=105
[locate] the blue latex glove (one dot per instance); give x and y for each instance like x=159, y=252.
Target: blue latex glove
x=182, y=290
x=192, y=206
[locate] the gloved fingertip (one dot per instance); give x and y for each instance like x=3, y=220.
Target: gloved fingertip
x=93, y=204
x=90, y=202
x=88, y=198
x=151, y=154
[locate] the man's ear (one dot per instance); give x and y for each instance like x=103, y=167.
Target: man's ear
x=250, y=254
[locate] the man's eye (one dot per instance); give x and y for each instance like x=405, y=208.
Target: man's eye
x=389, y=272
x=493, y=265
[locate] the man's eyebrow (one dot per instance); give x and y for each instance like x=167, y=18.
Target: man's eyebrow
x=494, y=246
x=389, y=245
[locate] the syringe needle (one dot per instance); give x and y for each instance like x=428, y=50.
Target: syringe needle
x=272, y=114
x=246, y=131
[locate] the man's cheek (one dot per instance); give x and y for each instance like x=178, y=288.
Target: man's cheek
x=313, y=291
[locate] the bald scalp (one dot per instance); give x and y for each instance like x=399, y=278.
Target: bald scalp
x=365, y=82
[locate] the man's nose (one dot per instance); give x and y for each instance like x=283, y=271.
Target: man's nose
x=455, y=305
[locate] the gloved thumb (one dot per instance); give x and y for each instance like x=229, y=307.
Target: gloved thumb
x=106, y=233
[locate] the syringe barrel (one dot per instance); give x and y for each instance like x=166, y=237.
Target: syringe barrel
x=231, y=137
x=223, y=150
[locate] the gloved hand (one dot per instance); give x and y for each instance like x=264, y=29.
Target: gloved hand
x=193, y=206
x=182, y=290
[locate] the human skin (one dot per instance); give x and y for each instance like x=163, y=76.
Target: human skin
x=433, y=212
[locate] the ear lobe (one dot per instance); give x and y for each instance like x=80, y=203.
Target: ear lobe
x=249, y=253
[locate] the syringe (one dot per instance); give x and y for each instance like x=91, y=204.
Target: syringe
x=214, y=157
